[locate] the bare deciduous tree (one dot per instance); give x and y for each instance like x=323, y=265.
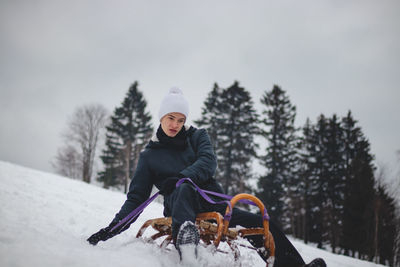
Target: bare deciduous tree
x=81, y=140
x=68, y=162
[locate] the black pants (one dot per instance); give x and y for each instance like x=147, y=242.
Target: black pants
x=185, y=202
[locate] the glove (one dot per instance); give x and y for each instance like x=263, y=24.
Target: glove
x=103, y=234
x=169, y=185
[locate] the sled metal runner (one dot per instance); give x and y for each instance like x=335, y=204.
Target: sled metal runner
x=214, y=229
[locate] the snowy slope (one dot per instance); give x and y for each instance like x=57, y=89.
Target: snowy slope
x=45, y=220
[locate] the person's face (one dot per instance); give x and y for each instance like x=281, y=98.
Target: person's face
x=172, y=123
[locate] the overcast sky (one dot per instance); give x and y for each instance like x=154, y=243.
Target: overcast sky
x=329, y=56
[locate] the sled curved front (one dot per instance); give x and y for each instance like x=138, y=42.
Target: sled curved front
x=269, y=243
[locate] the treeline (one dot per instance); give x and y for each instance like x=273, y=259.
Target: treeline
x=319, y=183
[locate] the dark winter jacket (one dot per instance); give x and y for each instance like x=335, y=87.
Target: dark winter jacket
x=159, y=162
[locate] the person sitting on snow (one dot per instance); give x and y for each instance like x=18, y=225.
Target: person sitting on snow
x=177, y=151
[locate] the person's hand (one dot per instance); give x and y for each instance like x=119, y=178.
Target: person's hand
x=169, y=185
x=96, y=237
x=103, y=234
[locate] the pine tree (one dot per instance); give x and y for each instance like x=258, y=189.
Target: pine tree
x=396, y=192
x=211, y=119
x=112, y=159
x=325, y=166
x=280, y=158
x=397, y=239
x=337, y=174
x=211, y=116
x=230, y=118
x=323, y=176
x=306, y=158
x=385, y=227
x=319, y=170
x=336, y=181
x=127, y=134
x=359, y=190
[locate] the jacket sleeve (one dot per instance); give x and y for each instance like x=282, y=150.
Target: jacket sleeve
x=206, y=163
x=139, y=188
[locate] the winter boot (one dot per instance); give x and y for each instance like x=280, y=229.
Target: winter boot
x=187, y=240
x=318, y=262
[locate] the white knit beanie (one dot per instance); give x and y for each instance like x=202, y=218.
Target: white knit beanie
x=174, y=101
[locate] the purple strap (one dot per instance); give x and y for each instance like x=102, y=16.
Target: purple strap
x=204, y=193
x=133, y=215
x=206, y=197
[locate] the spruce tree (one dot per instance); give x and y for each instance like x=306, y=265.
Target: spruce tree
x=336, y=181
x=325, y=166
x=318, y=169
x=359, y=190
x=211, y=116
x=306, y=155
x=385, y=227
x=211, y=119
x=112, y=159
x=280, y=159
x=323, y=176
x=342, y=206
x=128, y=132
x=230, y=118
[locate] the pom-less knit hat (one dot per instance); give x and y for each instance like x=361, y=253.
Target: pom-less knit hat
x=174, y=101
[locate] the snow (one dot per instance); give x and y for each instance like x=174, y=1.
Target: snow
x=45, y=220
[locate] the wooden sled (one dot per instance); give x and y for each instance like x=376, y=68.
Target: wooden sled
x=214, y=229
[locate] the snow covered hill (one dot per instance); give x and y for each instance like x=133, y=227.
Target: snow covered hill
x=45, y=220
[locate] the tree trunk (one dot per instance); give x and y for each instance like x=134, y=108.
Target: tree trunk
x=128, y=151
